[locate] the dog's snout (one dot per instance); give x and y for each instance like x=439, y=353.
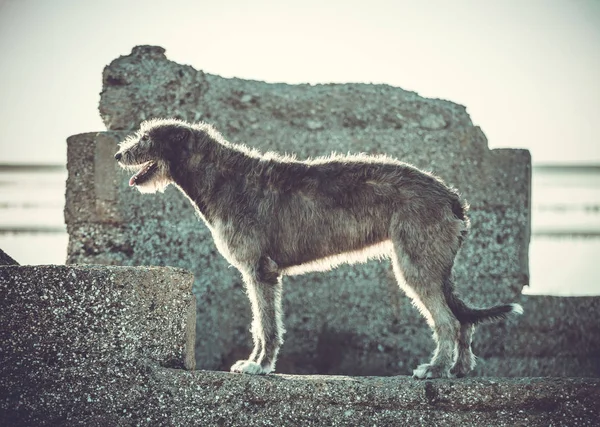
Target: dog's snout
x=118, y=156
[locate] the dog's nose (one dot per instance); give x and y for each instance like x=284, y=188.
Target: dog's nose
x=118, y=156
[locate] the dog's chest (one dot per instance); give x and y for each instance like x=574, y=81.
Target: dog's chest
x=230, y=242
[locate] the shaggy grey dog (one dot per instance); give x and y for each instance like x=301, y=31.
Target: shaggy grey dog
x=272, y=216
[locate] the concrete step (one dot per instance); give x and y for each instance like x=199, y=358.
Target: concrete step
x=64, y=316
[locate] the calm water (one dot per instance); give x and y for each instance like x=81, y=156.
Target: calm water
x=564, y=251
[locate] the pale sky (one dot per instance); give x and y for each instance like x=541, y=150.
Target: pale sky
x=528, y=71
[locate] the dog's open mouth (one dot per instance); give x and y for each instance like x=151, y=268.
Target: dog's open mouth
x=144, y=174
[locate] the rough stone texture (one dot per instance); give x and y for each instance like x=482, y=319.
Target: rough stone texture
x=143, y=394
x=350, y=321
x=5, y=259
x=59, y=319
x=557, y=336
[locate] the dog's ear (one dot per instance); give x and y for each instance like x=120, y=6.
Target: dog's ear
x=180, y=135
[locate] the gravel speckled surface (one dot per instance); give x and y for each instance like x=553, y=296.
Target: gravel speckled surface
x=98, y=346
x=68, y=332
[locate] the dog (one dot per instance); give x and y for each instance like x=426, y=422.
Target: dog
x=273, y=215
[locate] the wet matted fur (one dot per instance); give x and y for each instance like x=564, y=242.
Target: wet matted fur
x=272, y=216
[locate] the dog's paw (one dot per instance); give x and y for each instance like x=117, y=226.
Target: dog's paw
x=427, y=371
x=458, y=372
x=461, y=370
x=249, y=367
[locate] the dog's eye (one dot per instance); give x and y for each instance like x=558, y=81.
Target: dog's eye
x=144, y=138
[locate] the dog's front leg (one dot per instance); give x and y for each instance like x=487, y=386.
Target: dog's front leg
x=263, y=286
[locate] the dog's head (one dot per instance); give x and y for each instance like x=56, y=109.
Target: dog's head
x=153, y=151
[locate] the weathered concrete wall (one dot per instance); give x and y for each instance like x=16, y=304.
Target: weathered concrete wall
x=353, y=320
x=557, y=336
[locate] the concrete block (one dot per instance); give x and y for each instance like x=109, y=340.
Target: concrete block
x=59, y=318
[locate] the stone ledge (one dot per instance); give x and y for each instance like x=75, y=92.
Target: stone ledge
x=147, y=394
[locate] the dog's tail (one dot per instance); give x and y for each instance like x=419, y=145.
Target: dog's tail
x=473, y=316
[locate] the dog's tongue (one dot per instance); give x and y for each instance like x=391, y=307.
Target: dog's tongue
x=134, y=178
x=146, y=167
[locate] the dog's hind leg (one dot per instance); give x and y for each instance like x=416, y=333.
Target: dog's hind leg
x=465, y=361
x=263, y=285
x=422, y=265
